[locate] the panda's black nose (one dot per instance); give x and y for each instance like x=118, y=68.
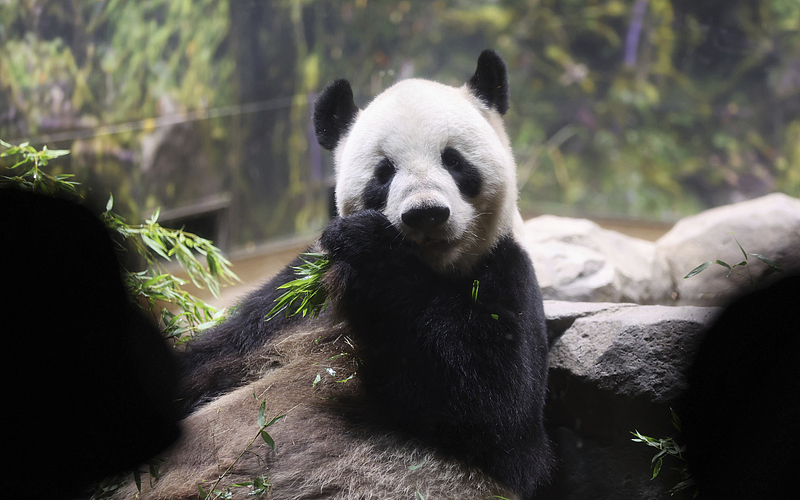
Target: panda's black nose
x=426, y=218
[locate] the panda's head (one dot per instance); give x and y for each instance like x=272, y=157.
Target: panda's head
x=434, y=159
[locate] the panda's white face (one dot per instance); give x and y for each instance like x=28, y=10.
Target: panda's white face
x=437, y=162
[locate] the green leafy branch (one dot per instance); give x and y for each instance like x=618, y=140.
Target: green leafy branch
x=668, y=447
x=155, y=285
x=151, y=240
x=194, y=314
x=29, y=173
x=705, y=265
x=155, y=239
x=261, y=484
x=308, y=288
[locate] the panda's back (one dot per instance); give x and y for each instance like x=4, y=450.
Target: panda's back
x=324, y=447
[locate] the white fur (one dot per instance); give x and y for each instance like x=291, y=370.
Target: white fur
x=411, y=123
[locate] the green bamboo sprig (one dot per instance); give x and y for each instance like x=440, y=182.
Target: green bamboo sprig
x=669, y=447
x=29, y=174
x=702, y=267
x=261, y=484
x=150, y=240
x=307, y=289
x=156, y=284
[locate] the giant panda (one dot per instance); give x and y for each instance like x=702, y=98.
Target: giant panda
x=426, y=375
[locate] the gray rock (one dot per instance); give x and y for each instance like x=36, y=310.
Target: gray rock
x=615, y=368
x=634, y=351
x=769, y=226
x=577, y=260
x=561, y=314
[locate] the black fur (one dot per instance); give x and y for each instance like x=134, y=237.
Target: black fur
x=216, y=362
x=467, y=375
x=458, y=362
x=334, y=113
x=377, y=190
x=464, y=374
x=490, y=81
x=467, y=177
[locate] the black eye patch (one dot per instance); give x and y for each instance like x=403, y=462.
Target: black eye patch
x=467, y=177
x=377, y=190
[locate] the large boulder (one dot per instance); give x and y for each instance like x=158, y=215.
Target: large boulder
x=769, y=226
x=616, y=368
x=577, y=260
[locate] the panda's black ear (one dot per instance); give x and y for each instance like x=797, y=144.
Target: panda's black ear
x=490, y=81
x=334, y=113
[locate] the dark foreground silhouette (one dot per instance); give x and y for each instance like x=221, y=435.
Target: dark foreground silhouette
x=89, y=382
x=741, y=416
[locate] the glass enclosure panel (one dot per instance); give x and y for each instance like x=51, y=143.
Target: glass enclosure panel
x=629, y=109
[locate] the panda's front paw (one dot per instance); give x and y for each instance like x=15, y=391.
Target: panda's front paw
x=363, y=233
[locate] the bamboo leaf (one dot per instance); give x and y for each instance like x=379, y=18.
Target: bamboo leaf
x=699, y=269
x=213, y=268
x=307, y=291
x=740, y=245
x=262, y=413
x=658, y=456
x=275, y=420
x=657, y=467
x=268, y=439
x=768, y=262
x=723, y=264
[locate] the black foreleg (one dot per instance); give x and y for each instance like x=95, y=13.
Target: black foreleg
x=457, y=361
x=217, y=362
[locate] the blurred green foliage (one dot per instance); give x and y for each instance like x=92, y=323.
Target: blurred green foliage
x=635, y=108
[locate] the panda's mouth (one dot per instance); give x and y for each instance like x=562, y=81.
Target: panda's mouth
x=432, y=245
x=431, y=242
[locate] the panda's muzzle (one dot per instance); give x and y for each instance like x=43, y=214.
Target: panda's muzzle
x=426, y=218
